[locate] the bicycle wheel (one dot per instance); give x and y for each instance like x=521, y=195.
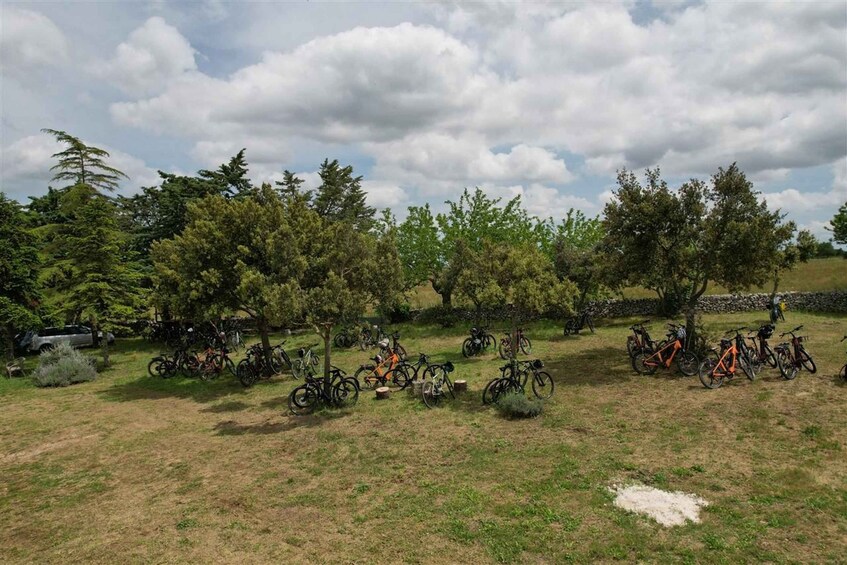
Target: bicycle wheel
x=167, y=369
x=505, y=350
x=398, y=376
x=525, y=345
x=368, y=374
x=339, y=340
x=230, y=366
x=747, y=365
x=709, y=373
x=770, y=358
x=807, y=361
x=843, y=373
x=152, y=367
x=542, y=385
x=641, y=365
x=490, y=392
x=345, y=393
x=787, y=366
x=244, y=373
x=687, y=363
x=590, y=324
x=303, y=400
x=468, y=348
x=489, y=341
x=431, y=395
x=401, y=352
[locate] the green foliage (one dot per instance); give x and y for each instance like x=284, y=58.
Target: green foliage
x=289, y=186
x=81, y=164
x=19, y=264
x=676, y=242
x=517, y=405
x=419, y=247
x=231, y=177
x=62, y=366
x=583, y=266
x=159, y=212
x=340, y=197
x=838, y=225
x=497, y=275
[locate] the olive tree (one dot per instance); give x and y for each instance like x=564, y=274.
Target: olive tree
x=518, y=277
x=676, y=242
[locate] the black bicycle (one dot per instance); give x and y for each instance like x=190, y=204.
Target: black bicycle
x=513, y=379
x=792, y=356
x=578, y=323
x=343, y=392
x=477, y=343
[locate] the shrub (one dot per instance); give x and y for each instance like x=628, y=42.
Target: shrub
x=62, y=366
x=516, y=405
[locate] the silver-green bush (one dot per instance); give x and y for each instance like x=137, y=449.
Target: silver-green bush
x=62, y=366
x=516, y=405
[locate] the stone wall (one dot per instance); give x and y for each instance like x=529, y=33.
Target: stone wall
x=726, y=303
x=712, y=304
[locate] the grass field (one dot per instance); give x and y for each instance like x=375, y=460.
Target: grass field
x=133, y=469
x=816, y=275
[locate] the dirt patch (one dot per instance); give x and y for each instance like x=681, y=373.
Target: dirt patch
x=667, y=508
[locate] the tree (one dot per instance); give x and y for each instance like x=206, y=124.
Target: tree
x=581, y=266
x=93, y=276
x=520, y=277
x=159, y=212
x=277, y=261
x=289, y=186
x=231, y=176
x=575, y=231
x=340, y=197
x=19, y=264
x=838, y=226
x=677, y=242
x=427, y=244
x=83, y=164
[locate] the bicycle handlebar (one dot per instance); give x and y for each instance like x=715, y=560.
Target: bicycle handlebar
x=791, y=332
x=736, y=331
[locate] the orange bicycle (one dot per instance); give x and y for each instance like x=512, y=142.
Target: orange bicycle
x=646, y=362
x=720, y=366
x=383, y=370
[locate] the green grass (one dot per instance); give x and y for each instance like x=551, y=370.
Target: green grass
x=133, y=469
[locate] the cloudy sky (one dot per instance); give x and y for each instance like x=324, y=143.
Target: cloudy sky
x=542, y=100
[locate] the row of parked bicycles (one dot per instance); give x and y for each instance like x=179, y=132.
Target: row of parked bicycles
x=481, y=340
x=737, y=353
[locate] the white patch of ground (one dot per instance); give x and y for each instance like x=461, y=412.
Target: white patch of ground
x=667, y=508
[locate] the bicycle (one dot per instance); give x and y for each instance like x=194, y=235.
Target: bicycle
x=437, y=385
x=524, y=345
x=777, y=310
x=370, y=337
x=762, y=353
x=578, y=323
x=412, y=369
x=347, y=337
x=306, y=362
x=479, y=341
x=383, y=371
x=395, y=346
x=792, y=356
x=214, y=362
x=342, y=392
x=723, y=365
x=639, y=340
x=513, y=378
x=254, y=367
x=647, y=361
x=167, y=366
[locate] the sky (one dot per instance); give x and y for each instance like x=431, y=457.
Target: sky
x=542, y=100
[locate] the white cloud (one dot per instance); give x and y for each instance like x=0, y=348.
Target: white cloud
x=382, y=194
x=29, y=40
x=152, y=56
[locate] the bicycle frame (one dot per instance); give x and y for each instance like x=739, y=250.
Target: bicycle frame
x=674, y=346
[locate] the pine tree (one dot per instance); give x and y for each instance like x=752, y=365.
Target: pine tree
x=289, y=186
x=340, y=197
x=19, y=290
x=82, y=164
x=232, y=176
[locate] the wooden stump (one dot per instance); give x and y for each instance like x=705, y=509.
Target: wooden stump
x=460, y=386
x=382, y=392
x=417, y=388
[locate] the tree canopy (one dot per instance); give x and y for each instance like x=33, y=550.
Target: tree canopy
x=838, y=225
x=82, y=164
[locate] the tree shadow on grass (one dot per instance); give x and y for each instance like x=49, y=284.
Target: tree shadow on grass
x=601, y=366
x=287, y=423
x=148, y=388
x=234, y=406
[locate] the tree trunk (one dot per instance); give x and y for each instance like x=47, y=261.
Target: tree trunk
x=327, y=343
x=445, y=293
x=105, y=350
x=775, y=285
x=9, y=341
x=262, y=326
